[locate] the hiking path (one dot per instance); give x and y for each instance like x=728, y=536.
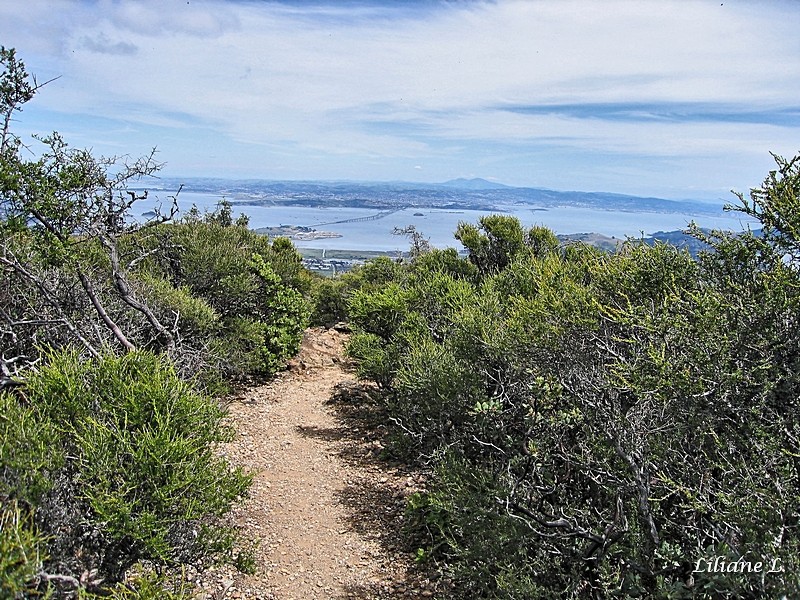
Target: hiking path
x=326, y=507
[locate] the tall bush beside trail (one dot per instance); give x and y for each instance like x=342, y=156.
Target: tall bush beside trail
x=329, y=300
x=445, y=261
x=493, y=243
x=380, y=271
x=238, y=296
x=377, y=314
x=387, y=318
x=287, y=263
x=286, y=315
x=138, y=478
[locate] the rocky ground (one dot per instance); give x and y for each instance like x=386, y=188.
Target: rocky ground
x=326, y=506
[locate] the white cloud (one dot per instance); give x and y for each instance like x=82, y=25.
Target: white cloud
x=200, y=19
x=378, y=82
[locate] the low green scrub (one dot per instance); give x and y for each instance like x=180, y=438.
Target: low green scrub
x=20, y=551
x=116, y=460
x=111, y=478
x=237, y=297
x=330, y=296
x=599, y=424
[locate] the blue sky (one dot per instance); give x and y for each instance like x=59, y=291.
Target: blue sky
x=678, y=99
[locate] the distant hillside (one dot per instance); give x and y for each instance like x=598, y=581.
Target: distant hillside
x=463, y=194
x=473, y=184
x=679, y=238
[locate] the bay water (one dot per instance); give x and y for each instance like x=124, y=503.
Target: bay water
x=439, y=224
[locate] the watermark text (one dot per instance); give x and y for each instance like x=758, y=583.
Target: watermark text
x=722, y=564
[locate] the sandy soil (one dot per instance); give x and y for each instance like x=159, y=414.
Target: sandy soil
x=325, y=508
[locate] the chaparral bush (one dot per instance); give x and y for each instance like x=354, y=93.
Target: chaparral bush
x=114, y=460
x=601, y=424
x=111, y=479
x=78, y=270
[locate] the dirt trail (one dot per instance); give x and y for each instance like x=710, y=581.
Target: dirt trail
x=324, y=508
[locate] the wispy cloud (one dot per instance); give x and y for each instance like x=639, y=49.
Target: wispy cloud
x=534, y=91
x=672, y=112
x=102, y=45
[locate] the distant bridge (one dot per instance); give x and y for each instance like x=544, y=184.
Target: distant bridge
x=374, y=217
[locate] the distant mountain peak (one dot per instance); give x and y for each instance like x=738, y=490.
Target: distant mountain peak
x=473, y=184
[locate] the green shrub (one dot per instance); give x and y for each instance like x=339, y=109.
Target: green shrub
x=598, y=422
x=332, y=296
x=140, y=479
x=329, y=301
x=287, y=262
x=434, y=394
x=379, y=271
x=141, y=584
x=380, y=311
x=493, y=243
x=21, y=556
x=445, y=261
x=193, y=315
x=29, y=454
x=286, y=315
x=241, y=298
x=375, y=359
x=486, y=550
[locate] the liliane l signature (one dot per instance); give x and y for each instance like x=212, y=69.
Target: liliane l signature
x=719, y=564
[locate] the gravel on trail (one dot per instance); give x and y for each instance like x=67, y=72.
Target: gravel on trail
x=326, y=507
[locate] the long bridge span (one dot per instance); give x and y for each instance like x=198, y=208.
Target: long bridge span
x=374, y=217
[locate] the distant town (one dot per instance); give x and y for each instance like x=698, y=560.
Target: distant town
x=469, y=194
